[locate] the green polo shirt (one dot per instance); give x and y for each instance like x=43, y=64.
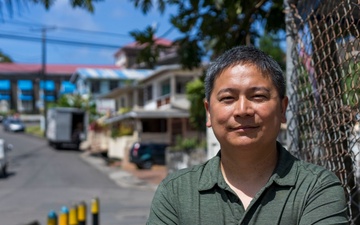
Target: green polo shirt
x=296, y=193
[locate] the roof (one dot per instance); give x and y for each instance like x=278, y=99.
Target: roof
x=149, y=114
x=50, y=68
x=158, y=41
x=137, y=45
x=115, y=74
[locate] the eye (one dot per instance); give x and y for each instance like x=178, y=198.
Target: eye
x=260, y=97
x=226, y=99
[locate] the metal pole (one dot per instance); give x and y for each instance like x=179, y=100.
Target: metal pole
x=95, y=208
x=291, y=133
x=73, y=216
x=81, y=213
x=43, y=75
x=64, y=216
x=52, y=218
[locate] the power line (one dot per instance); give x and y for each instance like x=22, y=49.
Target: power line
x=70, y=29
x=57, y=41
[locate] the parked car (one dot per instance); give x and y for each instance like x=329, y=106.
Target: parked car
x=145, y=155
x=13, y=125
x=4, y=149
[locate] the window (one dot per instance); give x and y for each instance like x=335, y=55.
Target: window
x=95, y=86
x=113, y=84
x=154, y=125
x=148, y=93
x=165, y=88
x=181, y=84
x=27, y=106
x=180, y=88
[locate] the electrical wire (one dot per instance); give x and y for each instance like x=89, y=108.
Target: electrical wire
x=69, y=29
x=57, y=41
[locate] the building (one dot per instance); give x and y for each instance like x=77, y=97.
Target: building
x=156, y=109
x=126, y=57
x=93, y=83
x=24, y=87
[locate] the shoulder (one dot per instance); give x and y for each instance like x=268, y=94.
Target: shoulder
x=315, y=175
x=197, y=177
x=297, y=170
x=188, y=174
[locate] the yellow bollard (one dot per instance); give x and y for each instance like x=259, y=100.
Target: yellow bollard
x=52, y=218
x=81, y=213
x=64, y=216
x=95, y=209
x=73, y=216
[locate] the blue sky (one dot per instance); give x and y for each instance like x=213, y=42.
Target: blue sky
x=109, y=25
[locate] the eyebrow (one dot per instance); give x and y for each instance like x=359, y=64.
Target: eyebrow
x=260, y=89
x=225, y=90
x=253, y=89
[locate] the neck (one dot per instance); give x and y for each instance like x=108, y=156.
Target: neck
x=249, y=164
x=247, y=172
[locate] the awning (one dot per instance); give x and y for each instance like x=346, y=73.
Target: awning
x=4, y=84
x=67, y=87
x=48, y=85
x=25, y=84
x=149, y=114
x=25, y=97
x=50, y=98
x=110, y=74
x=4, y=97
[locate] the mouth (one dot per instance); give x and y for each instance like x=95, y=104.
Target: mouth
x=244, y=128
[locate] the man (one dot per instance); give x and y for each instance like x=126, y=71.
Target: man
x=253, y=179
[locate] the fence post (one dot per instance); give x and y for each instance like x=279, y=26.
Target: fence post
x=81, y=213
x=52, y=218
x=73, y=216
x=95, y=208
x=64, y=216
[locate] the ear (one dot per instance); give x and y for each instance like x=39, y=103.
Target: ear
x=207, y=108
x=284, y=104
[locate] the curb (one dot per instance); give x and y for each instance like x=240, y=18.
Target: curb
x=121, y=177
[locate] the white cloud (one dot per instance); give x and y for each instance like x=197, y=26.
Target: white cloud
x=62, y=14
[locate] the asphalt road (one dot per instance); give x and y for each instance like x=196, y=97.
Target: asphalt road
x=42, y=179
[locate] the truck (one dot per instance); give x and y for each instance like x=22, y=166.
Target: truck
x=66, y=127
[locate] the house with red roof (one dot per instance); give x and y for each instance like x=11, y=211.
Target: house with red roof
x=127, y=55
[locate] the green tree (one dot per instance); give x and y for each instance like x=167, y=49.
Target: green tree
x=4, y=58
x=76, y=101
x=195, y=92
x=269, y=44
x=208, y=28
x=211, y=26
x=85, y=4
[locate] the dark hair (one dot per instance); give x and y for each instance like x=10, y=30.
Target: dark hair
x=245, y=55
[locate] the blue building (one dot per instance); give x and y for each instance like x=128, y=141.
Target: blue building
x=25, y=89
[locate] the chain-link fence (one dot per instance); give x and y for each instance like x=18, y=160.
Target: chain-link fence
x=323, y=73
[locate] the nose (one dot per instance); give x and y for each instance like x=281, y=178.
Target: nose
x=244, y=108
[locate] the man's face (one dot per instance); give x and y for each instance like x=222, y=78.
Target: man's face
x=245, y=108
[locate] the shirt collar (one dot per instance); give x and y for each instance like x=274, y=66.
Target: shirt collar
x=284, y=173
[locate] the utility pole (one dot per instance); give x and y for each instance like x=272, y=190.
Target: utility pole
x=43, y=72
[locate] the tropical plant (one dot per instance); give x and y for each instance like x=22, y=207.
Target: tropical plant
x=212, y=26
x=4, y=58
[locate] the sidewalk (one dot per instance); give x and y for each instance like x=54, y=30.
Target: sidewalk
x=127, y=175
